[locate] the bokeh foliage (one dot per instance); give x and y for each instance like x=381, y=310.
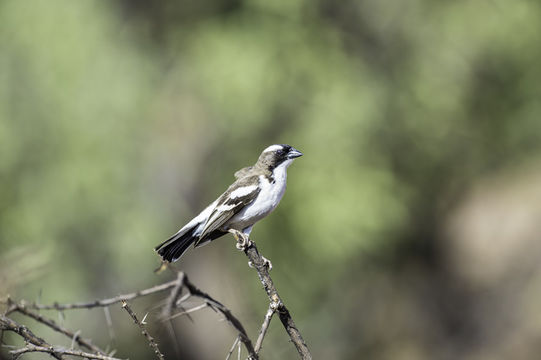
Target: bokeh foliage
x=120, y=120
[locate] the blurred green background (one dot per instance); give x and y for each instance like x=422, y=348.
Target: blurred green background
x=410, y=228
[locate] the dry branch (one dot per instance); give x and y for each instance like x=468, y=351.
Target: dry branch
x=151, y=342
x=231, y=319
x=22, y=308
x=36, y=344
x=106, y=302
x=173, y=303
x=261, y=265
x=265, y=326
x=170, y=309
x=57, y=351
x=237, y=339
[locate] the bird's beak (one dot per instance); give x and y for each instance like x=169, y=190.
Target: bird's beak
x=293, y=153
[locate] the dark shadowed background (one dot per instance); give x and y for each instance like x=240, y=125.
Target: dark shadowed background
x=410, y=229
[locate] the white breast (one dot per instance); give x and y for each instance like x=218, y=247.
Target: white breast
x=267, y=200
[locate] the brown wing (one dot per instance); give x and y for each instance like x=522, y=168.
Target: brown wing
x=236, y=197
x=243, y=172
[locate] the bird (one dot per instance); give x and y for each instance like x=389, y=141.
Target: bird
x=256, y=192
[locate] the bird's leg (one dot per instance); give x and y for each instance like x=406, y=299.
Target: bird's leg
x=243, y=241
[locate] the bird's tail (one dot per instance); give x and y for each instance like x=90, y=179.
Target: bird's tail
x=173, y=248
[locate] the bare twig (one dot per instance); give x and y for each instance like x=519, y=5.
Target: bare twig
x=261, y=266
x=10, y=325
x=265, y=326
x=182, y=281
x=152, y=343
x=107, y=302
x=239, y=350
x=174, y=301
x=23, y=309
x=37, y=344
x=232, y=348
x=216, y=305
x=175, y=293
x=57, y=351
x=183, y=298
x=168, y=309
x=186, y=312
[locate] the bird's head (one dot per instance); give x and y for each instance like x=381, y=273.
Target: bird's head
x=276, y=155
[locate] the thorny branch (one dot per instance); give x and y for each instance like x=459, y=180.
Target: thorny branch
x=23, y=309
x=173, y=308
x=182, y=280
x=106, y=302
x=243, y=336
x=265, y=326
x=144, y=331
x=262, y=266
x=172, y=305
x=51, y=350
x=36, y=344
x=232, y=348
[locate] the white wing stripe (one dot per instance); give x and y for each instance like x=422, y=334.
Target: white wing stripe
x=243, y=191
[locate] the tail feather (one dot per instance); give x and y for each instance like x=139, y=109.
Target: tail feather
x=173, y=248
x=209, y=237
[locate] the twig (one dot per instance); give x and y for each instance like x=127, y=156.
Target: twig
x=265, y=326
x=150, y=339
x=175, y=293
x=216, y=305
x=174, y=301
x=10, y=325
x=186, y=312
x=232, y=348
x=285, y=317
x=106, y=302
x=239, y=350
x=57, y=351
x=21, y=308
x=168, y=309
x=183, y=298
x=37, y=344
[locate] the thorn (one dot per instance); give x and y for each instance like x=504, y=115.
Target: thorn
x=144, y=318
x=162, y=267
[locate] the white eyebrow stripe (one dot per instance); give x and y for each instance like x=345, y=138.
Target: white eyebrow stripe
x=273, y=148
x=242, y=191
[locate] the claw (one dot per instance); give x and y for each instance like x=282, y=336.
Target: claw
x=243, y=241
x=267, y=262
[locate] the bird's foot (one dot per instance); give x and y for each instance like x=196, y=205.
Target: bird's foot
x=243, y=240
x=243, y=243
x=266, y=262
